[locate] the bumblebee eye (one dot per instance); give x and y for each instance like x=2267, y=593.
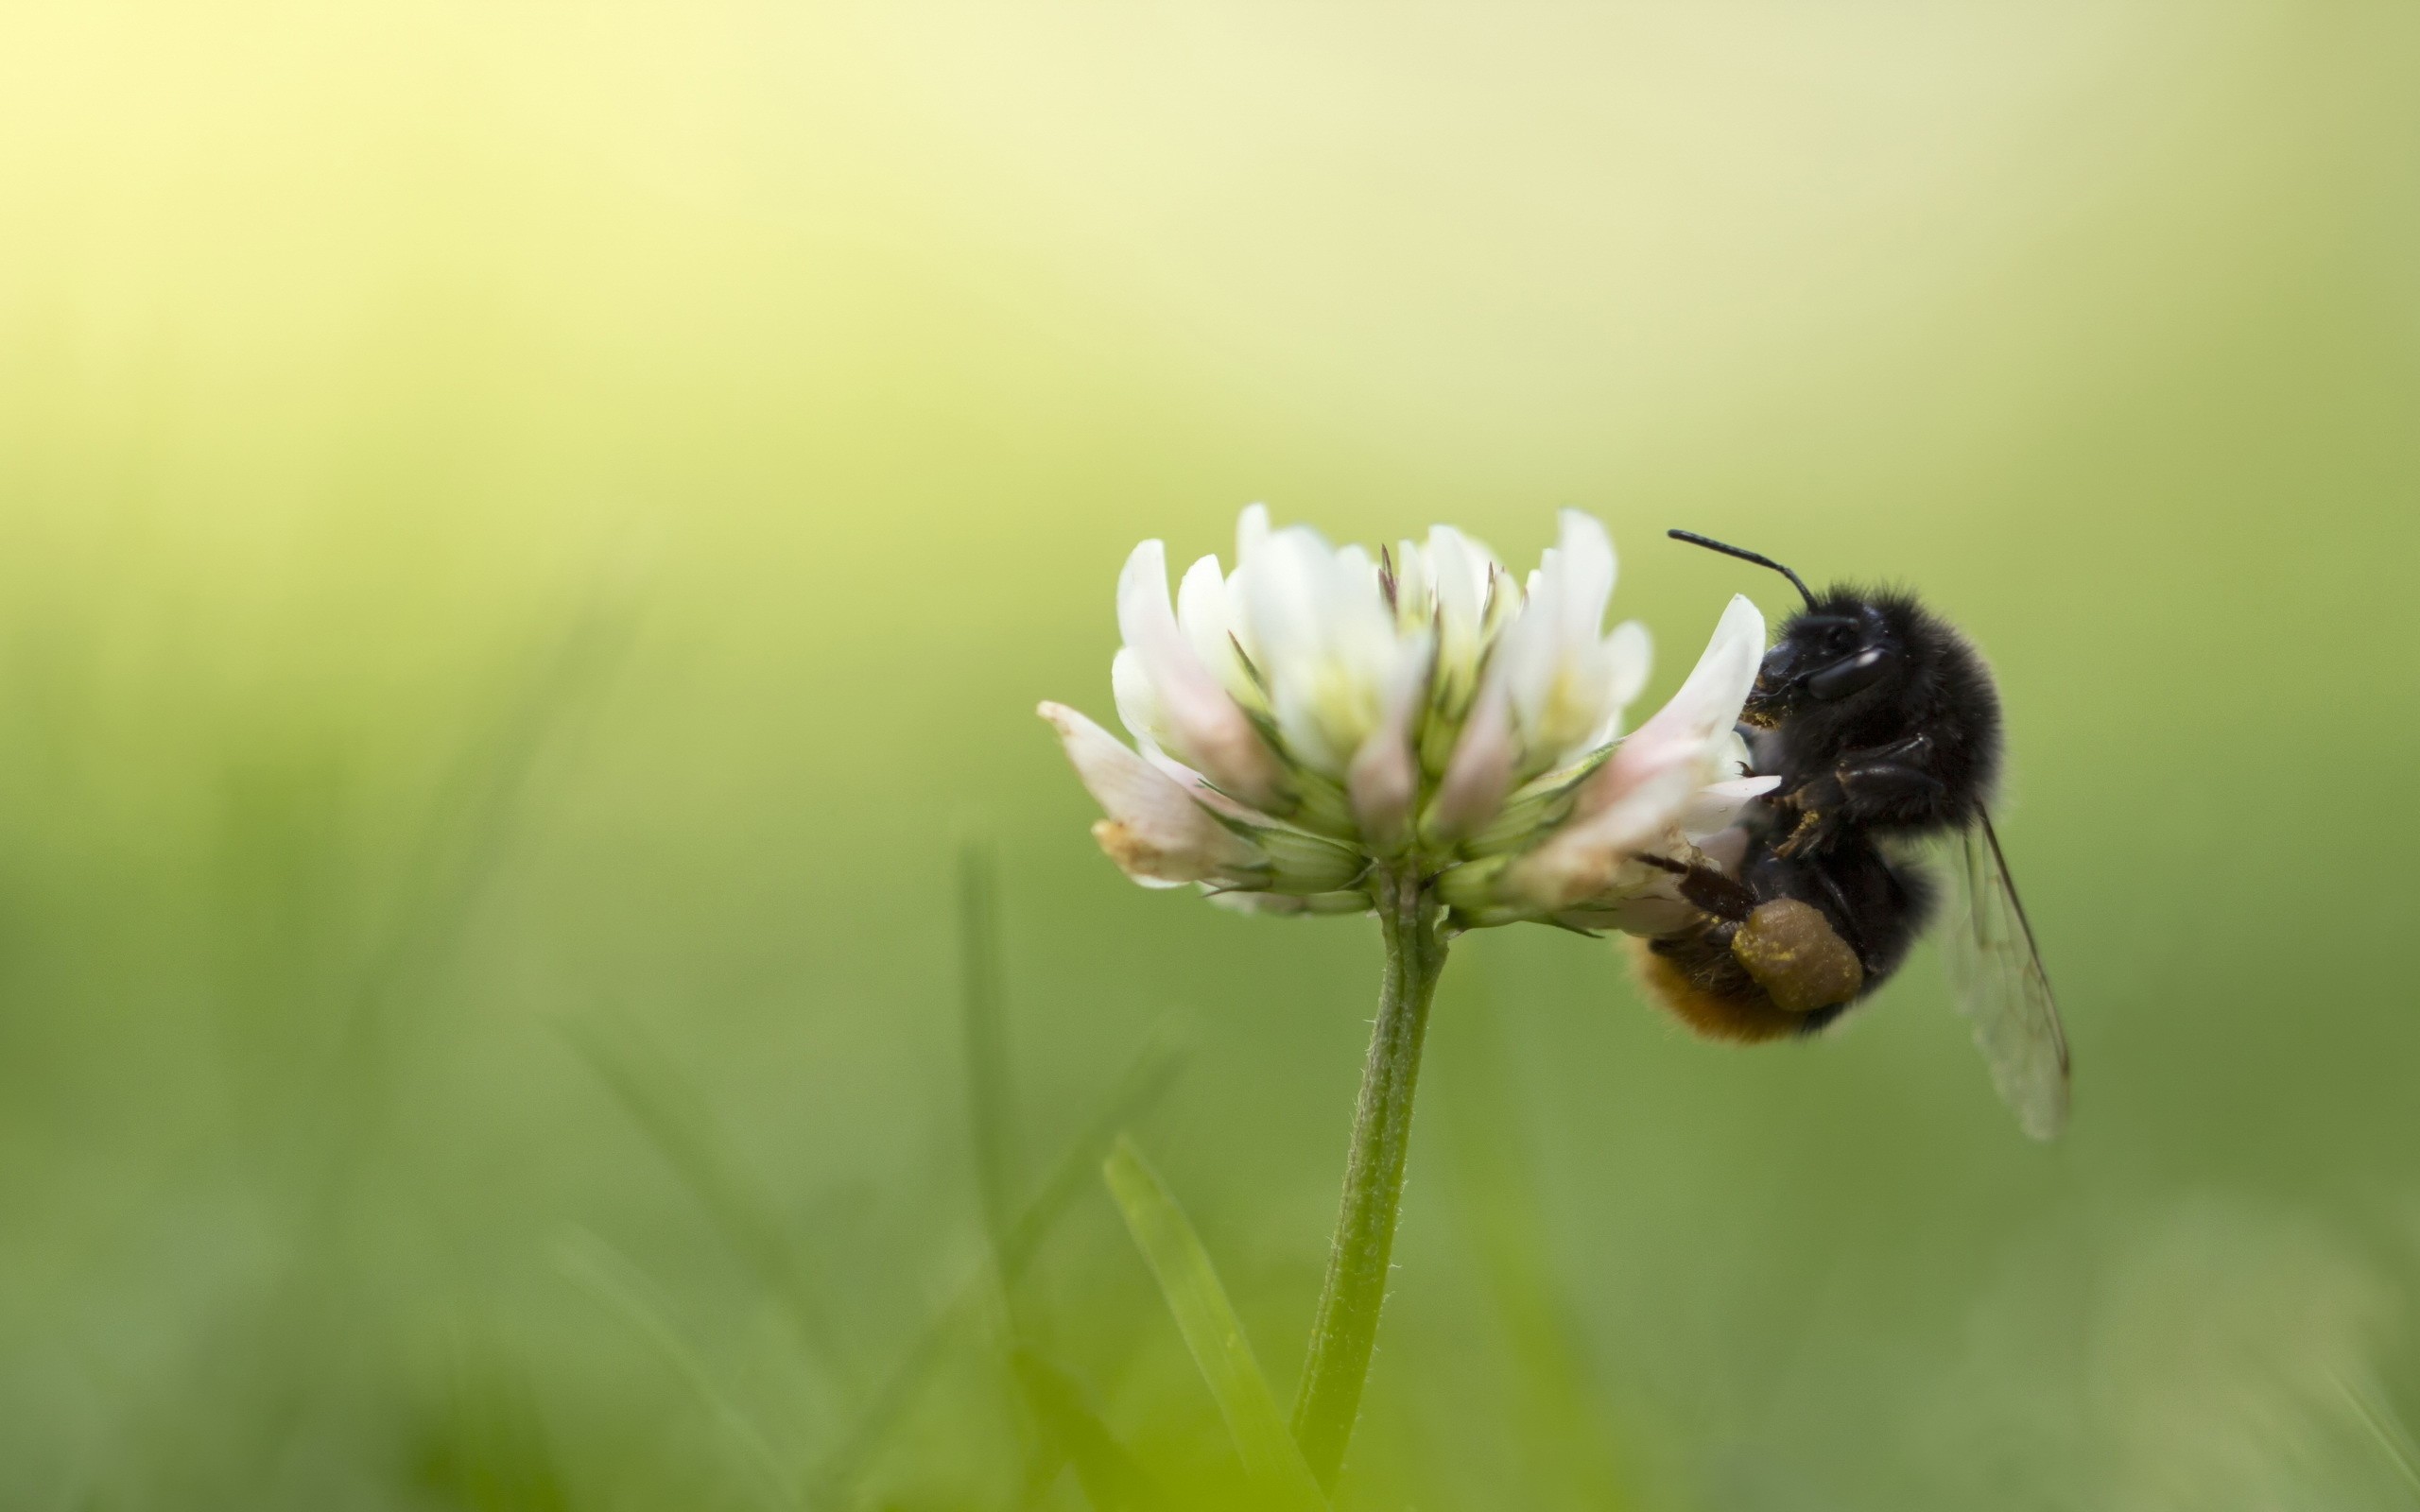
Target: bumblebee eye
x=1855, y=675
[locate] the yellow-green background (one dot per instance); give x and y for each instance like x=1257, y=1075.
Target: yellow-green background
x=531, y=526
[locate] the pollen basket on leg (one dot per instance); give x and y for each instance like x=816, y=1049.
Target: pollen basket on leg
x=1797, y=957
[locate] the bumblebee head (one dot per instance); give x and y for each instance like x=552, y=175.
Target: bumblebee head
x=1841, y=650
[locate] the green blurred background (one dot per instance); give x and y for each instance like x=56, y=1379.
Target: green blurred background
x=530, y=533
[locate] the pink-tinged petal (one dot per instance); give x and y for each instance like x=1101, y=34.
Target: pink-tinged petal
x=1326, y=643
x=1384, y=777
x=1381, y=783
x=1199, y=789
x=1479, y=773
x=1579, y=861
x=1415, y=598
x=1457, y=570
x=1154, y=831
x=1650, y=915
x=1629, y=655
x=1556, y=658
x=1724, y=851
x=1704, y=709
x=1252, y=533
x=1586, y=555
x=1527, y=654
x=1203, y=723
x=1138, y=704
x=1710, y=698
x=1143, y=592
x=1208, y=621
x=1284, y=905
x=1715, y=806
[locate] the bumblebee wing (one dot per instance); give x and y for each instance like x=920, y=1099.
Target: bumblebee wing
x=1996, y=973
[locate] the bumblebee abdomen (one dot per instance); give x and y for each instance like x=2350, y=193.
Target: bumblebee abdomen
x=1782, y=970
x=1682, y=975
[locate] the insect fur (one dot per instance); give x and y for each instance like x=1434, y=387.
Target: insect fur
x=1883, y=724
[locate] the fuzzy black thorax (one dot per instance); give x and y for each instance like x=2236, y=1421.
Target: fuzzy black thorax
x=1869, y=677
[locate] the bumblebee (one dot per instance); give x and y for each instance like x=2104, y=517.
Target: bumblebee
x=1883, y=725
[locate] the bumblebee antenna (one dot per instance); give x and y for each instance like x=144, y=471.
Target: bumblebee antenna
x=1712, y=544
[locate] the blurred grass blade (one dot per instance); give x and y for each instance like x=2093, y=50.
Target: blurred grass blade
x=675, y=1118
x=477, y=811
x=990, y=1090
x=2384, y=1426
x=601, y=1270
x=1145, y=1082
x=491, y=1451
x=1113, y=1479
x=467, y=831
x=991, y=1125
x=1210, y=1329
x=1558, y=1414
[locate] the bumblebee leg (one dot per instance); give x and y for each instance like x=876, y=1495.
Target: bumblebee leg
x=1709, y=890
x=1913, y=748
x=1864, y=792
x=1797, y=957
x=1884, y=782
x=1846, y=915
x=1810, y=834
x=1871, y=769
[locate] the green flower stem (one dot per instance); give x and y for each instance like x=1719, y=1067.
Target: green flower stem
x=1347, y=1324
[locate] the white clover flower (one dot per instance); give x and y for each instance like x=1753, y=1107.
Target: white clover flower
x=1320, y=715
x=1418, y=734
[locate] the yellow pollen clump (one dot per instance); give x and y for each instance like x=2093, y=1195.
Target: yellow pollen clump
x=1796, y=956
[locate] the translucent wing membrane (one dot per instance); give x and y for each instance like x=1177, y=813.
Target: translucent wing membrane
x=1997, y=973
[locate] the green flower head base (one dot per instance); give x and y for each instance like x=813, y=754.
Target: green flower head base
x=1320, y=710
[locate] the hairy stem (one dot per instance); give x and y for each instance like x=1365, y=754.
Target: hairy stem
x=1347, y=1323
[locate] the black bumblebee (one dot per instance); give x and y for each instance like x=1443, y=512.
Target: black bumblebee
x=1883, y=725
